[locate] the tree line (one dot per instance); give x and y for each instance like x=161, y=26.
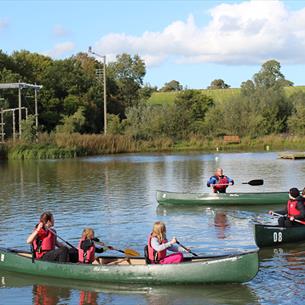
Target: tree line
x=72, y=100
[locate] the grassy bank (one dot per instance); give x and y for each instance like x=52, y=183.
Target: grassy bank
x=219, y=95
x=75, y=145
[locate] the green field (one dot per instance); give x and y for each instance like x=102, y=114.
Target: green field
x=219, y=95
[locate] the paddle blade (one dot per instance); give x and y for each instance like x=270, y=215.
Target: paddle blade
x=255, y=182
x=130, y=252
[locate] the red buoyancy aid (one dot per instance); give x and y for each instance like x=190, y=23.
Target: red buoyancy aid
x=153, y=255
x=219, y=185
x=88, y=297
x=292, y=208
x=43, y=296
x=86, y=257
x=44, y=242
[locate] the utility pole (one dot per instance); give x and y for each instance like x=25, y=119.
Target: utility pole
x=104, y=83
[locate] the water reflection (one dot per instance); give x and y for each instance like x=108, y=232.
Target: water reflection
x=48, y=291
x=221, y=224
x=283, y=268
x=116, y=195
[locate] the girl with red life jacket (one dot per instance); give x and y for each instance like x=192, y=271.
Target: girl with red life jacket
x=158, y=245
x=86, y=247
x=219, y=181
x=294, y=209
x=44, y=241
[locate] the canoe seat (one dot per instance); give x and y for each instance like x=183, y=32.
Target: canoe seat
x=25, y=254
x=121, y=261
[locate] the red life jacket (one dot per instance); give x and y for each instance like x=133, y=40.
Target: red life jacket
x=85, y=256
x=88, y=297
x=153, y=255
x=292, y=208
x=44, y=242
x=43, y=296
x=218, y=186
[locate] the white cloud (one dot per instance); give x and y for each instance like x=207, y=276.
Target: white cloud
x=61, y=48
x=3, y=24
x=60, y=31
x=243, y=33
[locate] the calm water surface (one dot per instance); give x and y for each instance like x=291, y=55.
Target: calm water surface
x=116, y=196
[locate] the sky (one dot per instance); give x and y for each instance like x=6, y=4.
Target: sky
x=193, y=42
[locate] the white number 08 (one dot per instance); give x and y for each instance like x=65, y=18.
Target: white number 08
x=277, y=237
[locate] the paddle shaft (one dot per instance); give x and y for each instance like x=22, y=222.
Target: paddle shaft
x=129, y=252
x=296, y=220
x=188, y=250
x=66, y=242
x=255, y=182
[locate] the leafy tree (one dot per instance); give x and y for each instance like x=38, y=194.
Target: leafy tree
x=29, y=130
x=270, y=76
x=128, y=73
x=218, y=84
x=296, y=122
x=72, y=123
x=191, y=107
x=266, y=98
x=115, y=126
x=173, y=85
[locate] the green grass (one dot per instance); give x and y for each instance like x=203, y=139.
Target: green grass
x=38, y=151
x=219, y=95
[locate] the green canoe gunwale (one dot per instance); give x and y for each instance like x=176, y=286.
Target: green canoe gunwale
x=185, y=198
x=237, y=268
x=273, y=235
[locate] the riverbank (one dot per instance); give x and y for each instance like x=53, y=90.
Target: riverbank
x=61, y=146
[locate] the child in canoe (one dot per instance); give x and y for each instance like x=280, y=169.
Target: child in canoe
x=158, y=245
x=294, y=210
x=86, y=247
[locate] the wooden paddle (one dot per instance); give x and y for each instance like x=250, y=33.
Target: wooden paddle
x=127, y=252
x=296, y=220
x=188, y=250
x=56, y=235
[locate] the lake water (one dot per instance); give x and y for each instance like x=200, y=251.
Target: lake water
x=115, y=195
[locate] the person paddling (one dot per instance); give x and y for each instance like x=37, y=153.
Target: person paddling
x=294, y=209
x=219, y=181
x=44, y=241
x=86, y=247
x=158, y=246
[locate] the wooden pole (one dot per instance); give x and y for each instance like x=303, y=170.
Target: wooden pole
x=19, y=106
x=2, y=126
x=14, y=126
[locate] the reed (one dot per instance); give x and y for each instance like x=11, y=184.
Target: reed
x=60, y=145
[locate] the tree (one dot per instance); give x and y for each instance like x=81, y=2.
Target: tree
x=72, y=123
x=173, y=85
x=29, y=129
x=270, y=76
x=128, y=73
x=266, y=98
x=218, y=84
x=296, y=122
x=191, y=107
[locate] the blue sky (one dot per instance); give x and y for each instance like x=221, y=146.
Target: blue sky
x=193, y=42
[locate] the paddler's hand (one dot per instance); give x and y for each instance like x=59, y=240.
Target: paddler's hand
x=270, y=212
x=39, y=227
x=173, y=241
x=291, y=218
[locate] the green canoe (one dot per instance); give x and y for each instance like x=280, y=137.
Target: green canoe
x=269, y=235
x=212, y=199
x=237, y=268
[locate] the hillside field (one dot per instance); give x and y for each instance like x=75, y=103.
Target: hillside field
x=219, y=95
